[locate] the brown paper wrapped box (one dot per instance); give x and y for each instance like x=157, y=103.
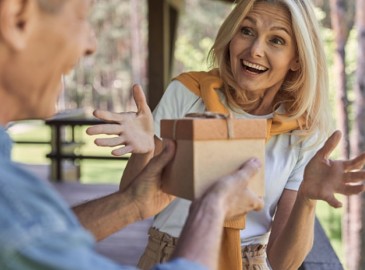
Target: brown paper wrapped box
x=210, y=148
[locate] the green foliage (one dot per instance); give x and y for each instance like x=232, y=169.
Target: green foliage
x=189, y=57
x=198, y=27
x=104, y=79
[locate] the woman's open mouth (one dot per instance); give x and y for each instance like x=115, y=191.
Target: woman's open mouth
x=254, y=68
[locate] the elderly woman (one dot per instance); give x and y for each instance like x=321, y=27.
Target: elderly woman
x=268, y=63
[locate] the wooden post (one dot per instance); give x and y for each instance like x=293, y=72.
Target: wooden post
x=162, y=24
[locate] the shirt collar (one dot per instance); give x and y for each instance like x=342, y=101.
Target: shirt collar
x=5, y=144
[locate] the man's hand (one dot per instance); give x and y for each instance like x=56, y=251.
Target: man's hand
x=225, y=199
x=133, y=130
x=141, y=199
x=232, y=194
x=324, y=177
x=145, y=189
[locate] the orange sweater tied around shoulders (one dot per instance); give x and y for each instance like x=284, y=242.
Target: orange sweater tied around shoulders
x=206, y=85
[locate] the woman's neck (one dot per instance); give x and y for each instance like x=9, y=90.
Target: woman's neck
x=264, y=104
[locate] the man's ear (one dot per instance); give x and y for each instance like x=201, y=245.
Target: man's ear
x=14, y=22
x=295, y=64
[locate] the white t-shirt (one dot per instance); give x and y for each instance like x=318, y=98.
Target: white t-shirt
x=284, y=167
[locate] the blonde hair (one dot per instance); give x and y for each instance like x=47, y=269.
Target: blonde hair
x=305, y=92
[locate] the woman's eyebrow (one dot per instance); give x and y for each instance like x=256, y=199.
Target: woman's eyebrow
x=275, y=27
x=280, y=28
x=250, y=19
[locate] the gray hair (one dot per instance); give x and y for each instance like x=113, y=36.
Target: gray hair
x=51, y=6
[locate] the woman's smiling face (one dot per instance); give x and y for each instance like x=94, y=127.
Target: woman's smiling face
x=263, y=50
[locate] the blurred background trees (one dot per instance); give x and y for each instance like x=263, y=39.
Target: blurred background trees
x=104, y=79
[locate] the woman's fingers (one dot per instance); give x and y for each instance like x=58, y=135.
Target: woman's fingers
x=352, y=189
x=122, y=151
x=329, y=145
x=140, y=100
x=353, y=177
x=107, y=129
x=333, y=201
x=110, y=142
x=355, y=163
x=113, y=117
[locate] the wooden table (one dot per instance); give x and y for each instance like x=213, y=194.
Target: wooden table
x=65, y=142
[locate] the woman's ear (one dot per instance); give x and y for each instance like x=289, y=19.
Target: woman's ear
x=295, y=64
x=14, y=21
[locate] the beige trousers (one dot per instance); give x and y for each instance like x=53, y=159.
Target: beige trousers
x=161, y=245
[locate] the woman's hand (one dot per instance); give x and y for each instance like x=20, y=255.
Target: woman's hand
x=324, y=177
x=133, y=130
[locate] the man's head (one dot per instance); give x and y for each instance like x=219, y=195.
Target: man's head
x=40, y=40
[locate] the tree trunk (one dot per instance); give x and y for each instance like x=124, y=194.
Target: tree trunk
x=341, y=32
x=356, y=240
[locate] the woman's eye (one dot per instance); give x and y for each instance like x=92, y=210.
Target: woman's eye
x=246, y=31
x=278, y=41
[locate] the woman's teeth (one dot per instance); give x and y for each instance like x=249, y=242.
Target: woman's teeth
x=254, y=67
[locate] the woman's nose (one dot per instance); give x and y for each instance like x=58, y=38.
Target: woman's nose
x=258, y=48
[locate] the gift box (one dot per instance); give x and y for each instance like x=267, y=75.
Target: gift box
x=207, y=149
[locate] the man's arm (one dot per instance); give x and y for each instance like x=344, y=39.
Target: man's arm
x=106, y=215
x=143, y=198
